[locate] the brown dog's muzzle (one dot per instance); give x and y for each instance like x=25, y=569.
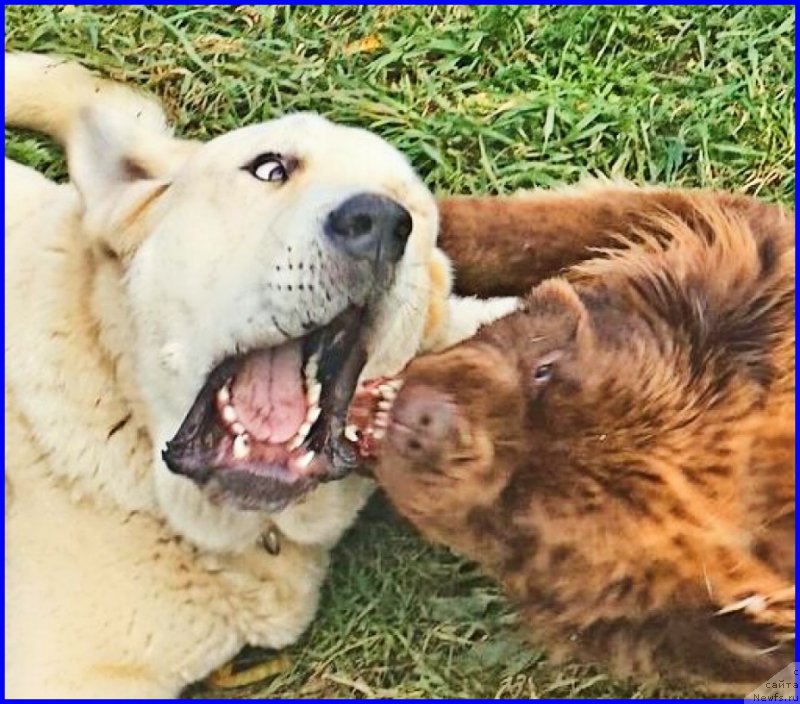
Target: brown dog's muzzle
x=421, y=422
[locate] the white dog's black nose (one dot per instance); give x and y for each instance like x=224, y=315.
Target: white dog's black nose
x=369, y=226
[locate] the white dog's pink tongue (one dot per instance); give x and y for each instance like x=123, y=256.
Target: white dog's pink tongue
x=268, y=393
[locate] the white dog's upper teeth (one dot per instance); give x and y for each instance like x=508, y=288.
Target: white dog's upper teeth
x=224, y=396
x=312, y=367
x=229, y=414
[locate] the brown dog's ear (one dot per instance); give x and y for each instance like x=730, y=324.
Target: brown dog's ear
x=120, y=169
x=560, y=310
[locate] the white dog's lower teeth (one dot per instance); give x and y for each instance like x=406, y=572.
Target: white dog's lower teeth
x=313, y=393
x=304, y=461
x=295, y=442
x=312, y=415
x=241, y=447
x=300, y=435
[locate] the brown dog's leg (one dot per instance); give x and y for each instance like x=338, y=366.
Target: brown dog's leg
x=502, y=246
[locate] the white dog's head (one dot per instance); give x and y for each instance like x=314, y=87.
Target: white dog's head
x=278, y=264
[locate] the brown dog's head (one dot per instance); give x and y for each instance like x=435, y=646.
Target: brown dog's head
x=502, y=410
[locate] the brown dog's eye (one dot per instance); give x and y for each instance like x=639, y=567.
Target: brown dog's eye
x=543, y=373
x=270, y=167
x=544, y=370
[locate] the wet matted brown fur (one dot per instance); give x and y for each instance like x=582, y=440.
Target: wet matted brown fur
x=620, y=452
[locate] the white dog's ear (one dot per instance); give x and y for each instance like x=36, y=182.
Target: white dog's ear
x=120, y=169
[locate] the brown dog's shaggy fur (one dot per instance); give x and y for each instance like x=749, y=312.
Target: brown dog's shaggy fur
x=620, y=452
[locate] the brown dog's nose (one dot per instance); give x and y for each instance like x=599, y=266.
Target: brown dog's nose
x=421, y=421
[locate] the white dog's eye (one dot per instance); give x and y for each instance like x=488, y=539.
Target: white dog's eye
x=270, y=167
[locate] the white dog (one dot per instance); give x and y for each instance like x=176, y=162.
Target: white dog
x=185, y=325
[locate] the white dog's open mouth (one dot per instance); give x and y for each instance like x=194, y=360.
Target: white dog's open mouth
x=268, y=425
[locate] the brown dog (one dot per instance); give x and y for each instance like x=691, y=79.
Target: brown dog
x=620, y=452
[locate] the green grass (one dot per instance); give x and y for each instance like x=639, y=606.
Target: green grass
x=481, y=99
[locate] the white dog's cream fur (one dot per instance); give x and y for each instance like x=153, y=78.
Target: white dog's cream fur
x=123, y=288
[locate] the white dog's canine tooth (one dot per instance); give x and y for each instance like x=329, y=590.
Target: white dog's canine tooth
x=241, y=447
x=313, y=414
x=351, y=433
x=229, y=414
x=304, y=461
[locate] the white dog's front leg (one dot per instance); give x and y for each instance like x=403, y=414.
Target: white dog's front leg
x=104, y=604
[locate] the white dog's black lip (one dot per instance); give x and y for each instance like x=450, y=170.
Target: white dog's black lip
x=197, y=450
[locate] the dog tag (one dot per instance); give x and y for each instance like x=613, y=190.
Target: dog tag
x=271, y=541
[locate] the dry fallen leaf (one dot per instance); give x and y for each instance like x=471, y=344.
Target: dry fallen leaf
x=363, y=46
x=226, y=678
